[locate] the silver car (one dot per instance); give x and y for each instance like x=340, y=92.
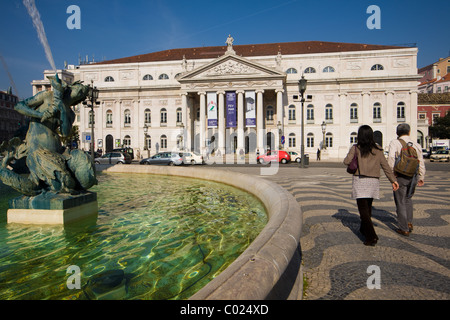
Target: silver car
x=114, y=158
x=441, y=155
x=167, y=158
x=192, y=158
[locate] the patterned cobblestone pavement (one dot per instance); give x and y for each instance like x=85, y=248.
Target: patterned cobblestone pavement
x=335, y=261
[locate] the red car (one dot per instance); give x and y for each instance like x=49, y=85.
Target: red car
x=276, y=155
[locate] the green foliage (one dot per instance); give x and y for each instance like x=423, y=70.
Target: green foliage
x=441, y=127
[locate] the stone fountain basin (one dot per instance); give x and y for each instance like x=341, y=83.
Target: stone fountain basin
x=270, y=268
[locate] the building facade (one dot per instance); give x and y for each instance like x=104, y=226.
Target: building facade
x=244, y=98
x=430, y=106
x=10, y=120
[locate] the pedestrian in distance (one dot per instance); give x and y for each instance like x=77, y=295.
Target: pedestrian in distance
x=407, y=183
x=366, y=179
x=318, y=154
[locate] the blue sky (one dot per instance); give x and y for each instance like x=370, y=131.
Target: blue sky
x=118, y=28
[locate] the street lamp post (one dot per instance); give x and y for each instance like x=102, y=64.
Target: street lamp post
x=324, y=129
x=146, y=140
x=280, y=144
x=302, y=89
x=93, y=96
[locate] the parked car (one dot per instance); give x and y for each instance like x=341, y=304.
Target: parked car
x=115, y=157
x=96, y=154
x=295, y=156
x=192, y=158
x=274, y=155
x=127, y=150
x=441, y=155
x=426, y=154
x=167, y=158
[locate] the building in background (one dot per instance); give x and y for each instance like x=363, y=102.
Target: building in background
x=229, y=98
x=430, y=106
x=10, y=120
x=435, y=77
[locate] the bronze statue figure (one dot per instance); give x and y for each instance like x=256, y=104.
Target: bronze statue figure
x=52, y=167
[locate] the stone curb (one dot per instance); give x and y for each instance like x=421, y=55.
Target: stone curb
x=270, y=267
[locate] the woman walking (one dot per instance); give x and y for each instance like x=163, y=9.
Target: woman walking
x=366, y=180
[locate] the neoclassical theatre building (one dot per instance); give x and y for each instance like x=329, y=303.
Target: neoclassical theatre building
x=224, y=99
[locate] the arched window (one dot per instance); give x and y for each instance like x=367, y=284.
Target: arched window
x=163, y=141
x=127, y=141
x=163, y=76
x=401, y=111
x=328, y=69
x=127, y=118
x=329, y=113
x=269, y=113
x=109, y=118
x=291, y=140
x=353, y=138
x=163, y=116
x=109, y=79
x=376, y=67
x=291, y=112
x=353, y=112
x=377, y=112
x=147, y=116
x=329, y=140
x=147, y=77
x=291, y=71
x=310, y=113
x=310, y=70
x=310, y=140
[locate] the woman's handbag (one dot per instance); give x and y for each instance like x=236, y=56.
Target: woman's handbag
x=353, y=166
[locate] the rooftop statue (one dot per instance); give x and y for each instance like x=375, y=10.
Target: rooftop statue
x=52, y=167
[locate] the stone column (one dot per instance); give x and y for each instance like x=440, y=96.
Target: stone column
x=411, y=114
x=221, y=121
x=202, y=122
x=366, y=110
x=391, y=116
x=280, y=116
x=240, y=121
x=260, y=121
x=186, y=122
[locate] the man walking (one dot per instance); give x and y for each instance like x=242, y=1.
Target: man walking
x=403, y=196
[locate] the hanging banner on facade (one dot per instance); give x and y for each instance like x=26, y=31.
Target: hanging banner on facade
x=212, y=109
x=230, y=102
x=250, y=109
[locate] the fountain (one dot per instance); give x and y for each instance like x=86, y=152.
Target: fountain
x=117, y=255
x=55, y=188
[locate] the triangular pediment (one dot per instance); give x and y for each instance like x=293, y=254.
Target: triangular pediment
x=229, y=67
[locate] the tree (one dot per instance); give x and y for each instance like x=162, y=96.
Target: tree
x=441, y=127
x=74, y=136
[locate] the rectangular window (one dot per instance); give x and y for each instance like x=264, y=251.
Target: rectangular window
x=328, y=114
x=310, y=142
x=163, y=117
x=291, y=114
x=400, y=112
x=291, y=142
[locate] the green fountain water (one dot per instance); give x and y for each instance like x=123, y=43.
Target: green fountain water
x=168, y=235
